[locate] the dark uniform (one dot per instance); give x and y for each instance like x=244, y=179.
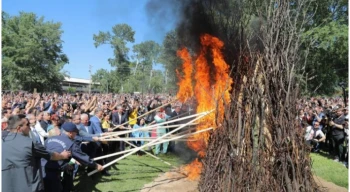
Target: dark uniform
x=53, y=169
x=19, y=154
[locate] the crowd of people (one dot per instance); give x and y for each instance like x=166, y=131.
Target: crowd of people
x=58, y=135
x=324, y=122
x=47, y=139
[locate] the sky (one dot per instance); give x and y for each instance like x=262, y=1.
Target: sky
x=82, y=18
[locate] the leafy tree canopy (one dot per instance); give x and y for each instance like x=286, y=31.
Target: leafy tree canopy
x=32, y=53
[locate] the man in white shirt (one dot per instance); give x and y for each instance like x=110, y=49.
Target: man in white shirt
x=314, y=136
x=39, y=129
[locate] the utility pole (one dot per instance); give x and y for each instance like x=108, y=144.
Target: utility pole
x=90, y=67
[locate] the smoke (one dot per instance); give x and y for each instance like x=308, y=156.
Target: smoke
x=193, y=18
x=187, y=16
x=194, y=23
x=164, y=15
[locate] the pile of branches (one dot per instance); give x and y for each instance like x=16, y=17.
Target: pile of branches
x=260, y=145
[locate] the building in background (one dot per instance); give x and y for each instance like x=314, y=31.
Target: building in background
x=79, y=85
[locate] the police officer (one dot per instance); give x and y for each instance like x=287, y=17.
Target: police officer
x=20, y=157
x=65, y=141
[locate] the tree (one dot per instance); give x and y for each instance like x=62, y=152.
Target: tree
x=32, y=53
x=327, y=33
x=147, y=54
x=104, y=78
x=121, y=35
x=168, y=57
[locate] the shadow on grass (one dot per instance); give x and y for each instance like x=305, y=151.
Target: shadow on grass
x=324, y=154
x=88, y=184
x=147, y=165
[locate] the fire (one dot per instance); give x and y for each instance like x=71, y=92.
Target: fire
x=185, y=83
x=211, y=90
x=194, y=169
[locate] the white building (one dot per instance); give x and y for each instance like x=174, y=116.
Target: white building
x=80, y=85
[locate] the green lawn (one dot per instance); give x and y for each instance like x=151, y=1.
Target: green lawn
x=329, y=170
x=134, y=172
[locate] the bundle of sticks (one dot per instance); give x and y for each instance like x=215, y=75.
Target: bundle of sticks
x=153, y=141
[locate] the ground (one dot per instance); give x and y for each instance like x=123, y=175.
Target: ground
x=146, y=174
x=173, y=181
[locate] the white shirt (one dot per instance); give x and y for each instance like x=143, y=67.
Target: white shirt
x=313, y=133
x=42, y=133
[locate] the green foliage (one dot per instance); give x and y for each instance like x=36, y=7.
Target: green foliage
x=326, y=43
x=121, y=35
x=128, y=76
x=169, y=58
x=71, y=90
x=157, y=82
x=147, y=51
x=32, y=53
x=118, y=39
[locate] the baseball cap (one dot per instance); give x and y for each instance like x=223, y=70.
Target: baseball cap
x=70, y=127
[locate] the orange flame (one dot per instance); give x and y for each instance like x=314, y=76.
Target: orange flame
x=193, y=170
x=185, y=83
x=210, y=93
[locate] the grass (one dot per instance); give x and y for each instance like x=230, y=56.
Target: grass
x=134, y=172
x=329, y=170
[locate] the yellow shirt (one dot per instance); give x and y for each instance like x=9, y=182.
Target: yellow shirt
x=106, y=125
x=133, y=117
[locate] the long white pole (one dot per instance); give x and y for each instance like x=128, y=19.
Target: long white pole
x=150, y=127
x=134, y=139
x=145, y=129
x=152, y=142
x=162, y=141
x=144, y=114
x=150, y=154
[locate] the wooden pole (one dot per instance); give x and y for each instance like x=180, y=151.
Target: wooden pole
x=152, y=142
x=150, y=154
x=144, y=114
x=150, y=127
x=172, y=139
x=136, y=139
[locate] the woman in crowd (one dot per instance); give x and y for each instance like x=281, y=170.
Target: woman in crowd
x=140, y=134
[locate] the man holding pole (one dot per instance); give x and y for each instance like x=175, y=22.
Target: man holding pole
x=53, y=168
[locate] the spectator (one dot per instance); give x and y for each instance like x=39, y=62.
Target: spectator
x=315, y=136
x=19, y=168
x=319, y=116
x=53, y=169
x=338, y=135
x=160, y=118
x=118, y=118
x=42, y=133
x=97, y=129
x=46, y=120
x=140, y=134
